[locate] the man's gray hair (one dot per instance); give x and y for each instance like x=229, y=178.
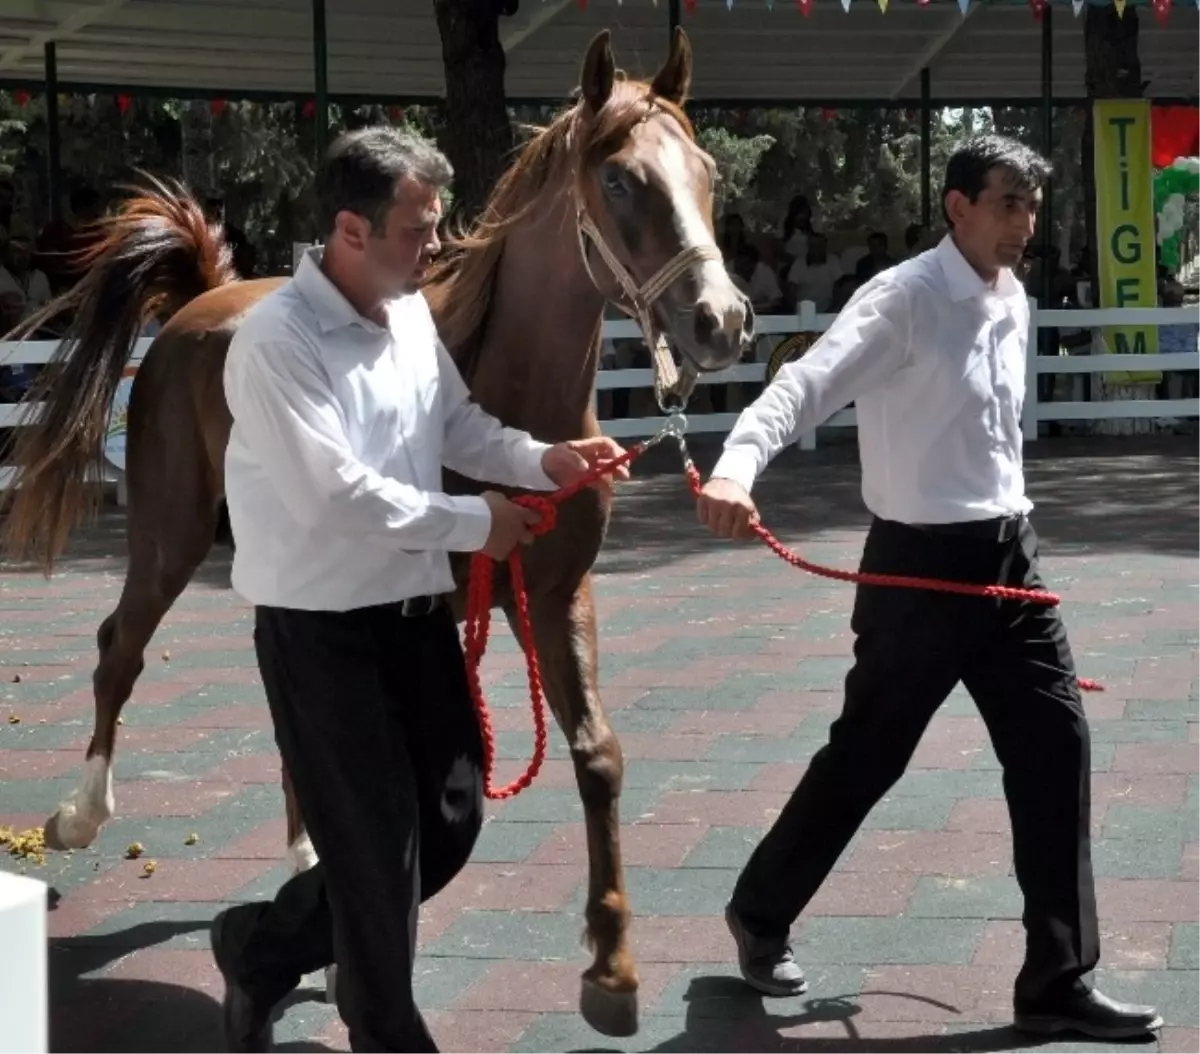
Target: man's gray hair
x=362, y=169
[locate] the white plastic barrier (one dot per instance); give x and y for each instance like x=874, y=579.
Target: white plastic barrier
x=24, y=1007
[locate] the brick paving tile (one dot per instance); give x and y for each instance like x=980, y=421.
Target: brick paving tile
x=721, y=671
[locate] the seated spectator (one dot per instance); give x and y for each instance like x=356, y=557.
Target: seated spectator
x=814, y=276
x=756, y=280
x=876, y=260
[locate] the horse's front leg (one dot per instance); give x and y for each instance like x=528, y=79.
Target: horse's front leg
x=565, y=633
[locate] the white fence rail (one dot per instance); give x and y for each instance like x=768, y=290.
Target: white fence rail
x=773, y=327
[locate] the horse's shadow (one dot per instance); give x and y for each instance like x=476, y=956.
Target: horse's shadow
x=724, y=1015
x=116, y=1014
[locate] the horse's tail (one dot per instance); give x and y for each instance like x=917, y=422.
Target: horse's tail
x=157, y=253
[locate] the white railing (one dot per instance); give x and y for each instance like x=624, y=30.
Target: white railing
x=808, y=321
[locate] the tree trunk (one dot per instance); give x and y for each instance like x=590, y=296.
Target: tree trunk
x=1114, y=71
x=478, y=134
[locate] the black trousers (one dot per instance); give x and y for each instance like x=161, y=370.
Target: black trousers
x=912, y=647
x=375, y=724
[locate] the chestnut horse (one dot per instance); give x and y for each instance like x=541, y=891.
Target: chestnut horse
x=612, y=200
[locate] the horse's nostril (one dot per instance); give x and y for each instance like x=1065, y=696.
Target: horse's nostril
x=707, y=323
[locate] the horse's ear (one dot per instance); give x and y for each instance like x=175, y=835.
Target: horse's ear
x=674, y=80
x=599, y=70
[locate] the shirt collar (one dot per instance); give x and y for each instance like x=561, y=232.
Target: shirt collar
x=332, y=309
x=964, y=280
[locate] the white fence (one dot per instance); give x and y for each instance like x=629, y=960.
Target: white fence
x=775, y=327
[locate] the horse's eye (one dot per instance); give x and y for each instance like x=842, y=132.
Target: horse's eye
x=613, y=180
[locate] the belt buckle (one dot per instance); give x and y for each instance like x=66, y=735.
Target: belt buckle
x=417, y=607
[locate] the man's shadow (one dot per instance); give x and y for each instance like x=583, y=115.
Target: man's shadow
x=725, y=1015
x=89, y=1013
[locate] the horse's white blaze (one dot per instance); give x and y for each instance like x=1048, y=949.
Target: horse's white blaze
x=301, y=855
x=89, y=806
x=717, y=290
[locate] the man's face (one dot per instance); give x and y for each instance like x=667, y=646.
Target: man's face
x=993, y=230
x=397, y=255
x=394, y=257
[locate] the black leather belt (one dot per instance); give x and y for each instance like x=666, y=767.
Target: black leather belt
x=997, y=529
x=416, y=607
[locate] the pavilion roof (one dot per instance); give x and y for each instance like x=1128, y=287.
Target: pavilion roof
x=744, y=49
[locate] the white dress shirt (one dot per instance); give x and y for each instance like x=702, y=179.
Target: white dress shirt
x=341, y=427
x=934, y=359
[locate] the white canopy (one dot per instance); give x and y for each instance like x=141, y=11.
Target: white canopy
x=390, y=49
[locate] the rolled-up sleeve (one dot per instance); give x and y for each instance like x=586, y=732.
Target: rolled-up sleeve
x=287, y=415
x=478, y=446
x=867, y=343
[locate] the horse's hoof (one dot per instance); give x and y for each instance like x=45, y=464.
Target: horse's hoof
x=609, y=1013
x=331, y=983
x=63, y=833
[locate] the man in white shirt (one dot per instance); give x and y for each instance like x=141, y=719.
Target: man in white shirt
x=812, y=276
x=933, y=354
x=345, y=407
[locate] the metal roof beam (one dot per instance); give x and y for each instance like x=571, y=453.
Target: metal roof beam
x=67, y=25
x=935, y=47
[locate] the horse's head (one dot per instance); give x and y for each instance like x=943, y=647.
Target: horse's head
x=644, y=199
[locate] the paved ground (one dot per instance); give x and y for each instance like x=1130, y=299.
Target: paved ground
x=722, y=670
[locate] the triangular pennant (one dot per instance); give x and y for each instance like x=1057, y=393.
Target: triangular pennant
x=1077, y=6
x=805, y=7
x=883, y=6
x=728, y=5
x=1162, y=10
x=922, y=3
x=964, y=6
x=846, y=6
x=1120, y=6
x=770, y=5
x=689, y=5
x=1037, y=7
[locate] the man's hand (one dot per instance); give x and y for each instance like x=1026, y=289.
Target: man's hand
x=510, y=526
x=726, y=509
x=565, y=463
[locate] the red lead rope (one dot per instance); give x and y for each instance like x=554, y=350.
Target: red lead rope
x=479, y=606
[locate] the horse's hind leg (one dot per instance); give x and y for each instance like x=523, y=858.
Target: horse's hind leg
x=565, y=633
x=164, y=552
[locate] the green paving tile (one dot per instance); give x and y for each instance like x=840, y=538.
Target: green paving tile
x=502, y=842
x=948, y=783
x=1102, y=756
x=689, y=775
x=716, y=991
x=672, y=892
x=154, y=923
x=1152, y=823
x=1139, y=731
x=63, y=735
x=724, y=847
x=880, y=941
x=638, y=718
x=1135, y=858
x=439, y=982
x=721, y=696
x=1162, y=710
x=1185, y=946
x=761, y=749
x=528, y=935
x=569, y=1032
x=909, y=814
x=978, y=897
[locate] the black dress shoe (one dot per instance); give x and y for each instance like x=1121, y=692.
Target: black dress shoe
x=1090, y=1012
x=245, y=1022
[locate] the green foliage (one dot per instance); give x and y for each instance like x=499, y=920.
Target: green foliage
x=737, y=159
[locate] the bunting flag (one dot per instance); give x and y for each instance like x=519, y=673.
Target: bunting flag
x=1077, y=6
x=217, y=107
x=1120, y=6
x=883, y=6
x=21, y=98
x=846, y=6
x=1038, y=7
x=964, y=6
x=805, y=7
x=1162, y=10
x=124, y=102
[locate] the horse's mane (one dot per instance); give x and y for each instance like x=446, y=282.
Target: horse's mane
x=460, y=285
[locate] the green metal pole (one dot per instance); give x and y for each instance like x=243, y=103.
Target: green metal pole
x=926, y=151
x=321, y=78
x=53, y=131
x=1047, y=148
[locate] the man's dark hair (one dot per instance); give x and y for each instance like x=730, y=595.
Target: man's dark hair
x=362, y=169
x=969, y=165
